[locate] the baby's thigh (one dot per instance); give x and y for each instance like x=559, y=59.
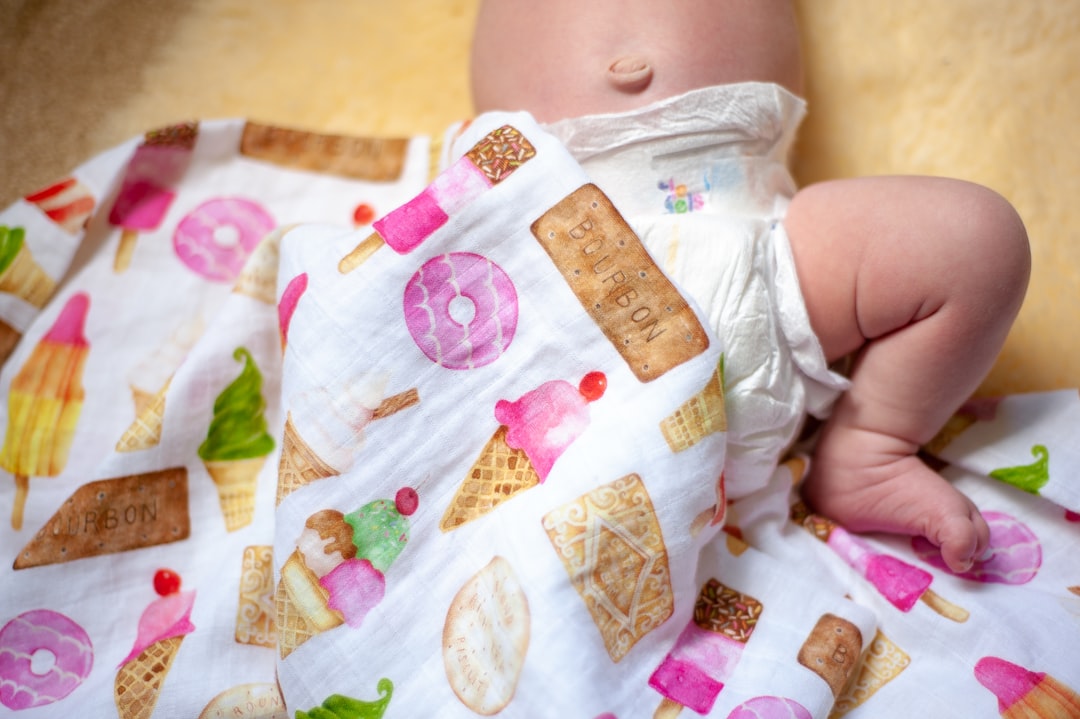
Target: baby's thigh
x=874, y=254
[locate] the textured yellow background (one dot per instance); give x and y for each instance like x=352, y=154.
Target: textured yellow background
x=986, y=90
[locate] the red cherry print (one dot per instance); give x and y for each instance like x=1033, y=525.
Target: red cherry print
x=593, y=386
x=166, y=582
x=406, y=501
x=364, y=214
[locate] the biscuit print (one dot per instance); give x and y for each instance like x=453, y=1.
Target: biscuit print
x=638, y=309
x=359, y=158
x=832, y=650
x=485, y=638
x=255, y=613
x=113, y=515
x=610, y=544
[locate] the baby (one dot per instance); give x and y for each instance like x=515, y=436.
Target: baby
x=919, y=278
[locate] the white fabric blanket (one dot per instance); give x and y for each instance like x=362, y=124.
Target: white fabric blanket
x=292, y=432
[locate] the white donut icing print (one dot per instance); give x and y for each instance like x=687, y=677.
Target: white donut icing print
x=461, y=310
x=216, y=238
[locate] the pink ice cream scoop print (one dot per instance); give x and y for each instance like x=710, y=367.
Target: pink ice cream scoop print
x=546, y=420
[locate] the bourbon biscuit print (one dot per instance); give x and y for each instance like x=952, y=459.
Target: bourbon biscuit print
x=617, y=282
x=113, y=515
x=361, y=158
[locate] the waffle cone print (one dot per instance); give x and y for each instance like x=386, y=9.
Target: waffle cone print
x=883, y=662
x=612, y=532
x=299, y=464
x=498, y=474
x=145, y=431
x=337, y=419
x=20, y=274
x=237, y=443
x=491, y=161
x=534, y=432
x=162, y=628
x=336, y=575
x=698, y=417
x=707, y=651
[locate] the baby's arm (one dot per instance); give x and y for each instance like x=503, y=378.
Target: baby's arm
x=923, y=278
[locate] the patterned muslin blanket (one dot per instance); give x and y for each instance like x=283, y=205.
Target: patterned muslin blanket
x=293, y=429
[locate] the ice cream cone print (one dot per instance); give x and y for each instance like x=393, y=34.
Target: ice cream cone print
x=303, y=609
x=20, y=274
x=145, y=431
x=882, y=663
x=237, y=443
x=236, y=481
x=534, y=432
x=499, y=473
x=699, y=416
x=44, y=403
x=258, y=278
x=300, y=465
x=336, y=575
x=162, y=628
x=139, y=681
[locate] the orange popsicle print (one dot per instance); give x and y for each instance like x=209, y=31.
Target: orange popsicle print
x=44, y=403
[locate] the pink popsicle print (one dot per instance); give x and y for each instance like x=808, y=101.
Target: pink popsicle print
x=899, y=582
x=706, y=652
x=149, y=183
x=1024, y=694
x=488, y=163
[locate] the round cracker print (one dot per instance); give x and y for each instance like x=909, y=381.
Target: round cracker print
x=485, y=638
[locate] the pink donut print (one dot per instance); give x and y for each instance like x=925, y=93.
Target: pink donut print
x=216, y=238
x=44, y=656
x=1013, y=556
x=461, y=310
x=770, y=708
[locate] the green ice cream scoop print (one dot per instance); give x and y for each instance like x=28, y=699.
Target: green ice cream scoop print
x=1028, y=477
x=339, y=706
x=237, y=443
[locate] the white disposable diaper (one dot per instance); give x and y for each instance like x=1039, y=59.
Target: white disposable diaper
x=703, y=179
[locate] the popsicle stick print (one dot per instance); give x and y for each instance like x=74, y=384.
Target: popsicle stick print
x=488, y=163
x=899, y=582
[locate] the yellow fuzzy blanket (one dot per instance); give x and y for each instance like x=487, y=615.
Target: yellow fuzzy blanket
x=985, y=90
